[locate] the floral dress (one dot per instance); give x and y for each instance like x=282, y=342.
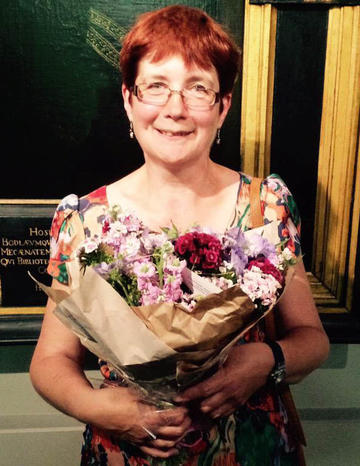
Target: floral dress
x=257, y=433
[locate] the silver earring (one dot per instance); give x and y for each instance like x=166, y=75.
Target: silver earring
x=131, y=130
x=218, y=139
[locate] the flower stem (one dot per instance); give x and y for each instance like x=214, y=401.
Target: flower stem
x=127, y=296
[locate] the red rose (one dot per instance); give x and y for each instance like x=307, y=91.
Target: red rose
x=215, y=246
x=194, y=259
x=200, y=249
x=184, y=244
x=212, y=260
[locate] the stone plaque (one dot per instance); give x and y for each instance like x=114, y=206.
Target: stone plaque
x=24, y=247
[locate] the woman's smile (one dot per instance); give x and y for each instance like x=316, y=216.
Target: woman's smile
x=172, y=134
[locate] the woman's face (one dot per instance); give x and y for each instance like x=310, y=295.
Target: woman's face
x=174, y=133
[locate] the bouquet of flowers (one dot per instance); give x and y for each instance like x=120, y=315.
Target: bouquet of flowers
x=150, y=268
x=164, y=308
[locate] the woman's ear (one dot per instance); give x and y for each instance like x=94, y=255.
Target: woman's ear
x=225, y=104
x=126, y=93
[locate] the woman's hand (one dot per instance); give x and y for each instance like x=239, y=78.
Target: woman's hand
x=243, y=373
x=56, y=372
x=119, y=411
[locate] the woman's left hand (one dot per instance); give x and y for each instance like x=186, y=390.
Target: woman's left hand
x=243, y=373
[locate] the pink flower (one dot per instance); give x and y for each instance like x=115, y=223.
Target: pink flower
x=174, y=265
x=172, y=288
x=150, y=294
x=261, y=288
x=268, y=268
x=144, y=269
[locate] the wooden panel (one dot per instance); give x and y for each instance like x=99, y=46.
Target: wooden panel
x=354, y=247
x=337, y=156
x=257, y=89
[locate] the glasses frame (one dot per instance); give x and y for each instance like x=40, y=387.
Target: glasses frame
x=135, y=91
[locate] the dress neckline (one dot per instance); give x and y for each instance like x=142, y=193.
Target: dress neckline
x=230, y=224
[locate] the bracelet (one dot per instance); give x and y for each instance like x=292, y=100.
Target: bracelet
x=151, y=434
x=278, y=372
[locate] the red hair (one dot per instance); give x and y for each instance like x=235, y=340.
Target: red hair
x=184, y=31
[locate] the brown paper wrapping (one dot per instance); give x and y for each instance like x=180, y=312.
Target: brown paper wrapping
x=214, y=318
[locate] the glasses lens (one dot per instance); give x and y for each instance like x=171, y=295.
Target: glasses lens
x=199, y=97
x=155, y=93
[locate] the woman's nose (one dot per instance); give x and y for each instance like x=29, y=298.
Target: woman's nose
x=175, y=106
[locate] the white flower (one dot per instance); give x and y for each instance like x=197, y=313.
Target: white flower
x=260, y=286
x=117, y=229
x=174, y=264
x=167, y=248
x=287, y=254
x=152, y=241
x=131, y=246
x=225, y=267
x=221, y=282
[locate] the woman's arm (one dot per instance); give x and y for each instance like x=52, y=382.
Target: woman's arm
x=303, y=341
x=56, y=366
x=57, y=374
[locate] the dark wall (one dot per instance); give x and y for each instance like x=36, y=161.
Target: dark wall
x=63, y=127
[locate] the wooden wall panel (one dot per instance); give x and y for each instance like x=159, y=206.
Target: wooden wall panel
x=311, y=88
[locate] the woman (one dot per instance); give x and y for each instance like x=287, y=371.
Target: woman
x=178, y=69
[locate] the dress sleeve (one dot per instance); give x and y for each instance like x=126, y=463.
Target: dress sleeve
x=66, y=233
x=279, y=204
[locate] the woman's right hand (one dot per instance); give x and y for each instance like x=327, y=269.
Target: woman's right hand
x=119, y=411
x=56, y=373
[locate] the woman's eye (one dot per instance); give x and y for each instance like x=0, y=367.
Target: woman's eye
x=199, y=88
x=156, y=85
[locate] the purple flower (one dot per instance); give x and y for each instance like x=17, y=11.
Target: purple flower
x=257, y=245
x=152, y=241
x=104, y=269
x=238, y=259
x=236, y=236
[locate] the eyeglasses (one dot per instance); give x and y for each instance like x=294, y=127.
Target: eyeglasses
x=196, y=97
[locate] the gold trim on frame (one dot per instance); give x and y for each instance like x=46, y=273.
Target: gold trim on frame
x=20, y=311
x=337, y=157
x=30, y=201
x=257, y=88
x=354, y=233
